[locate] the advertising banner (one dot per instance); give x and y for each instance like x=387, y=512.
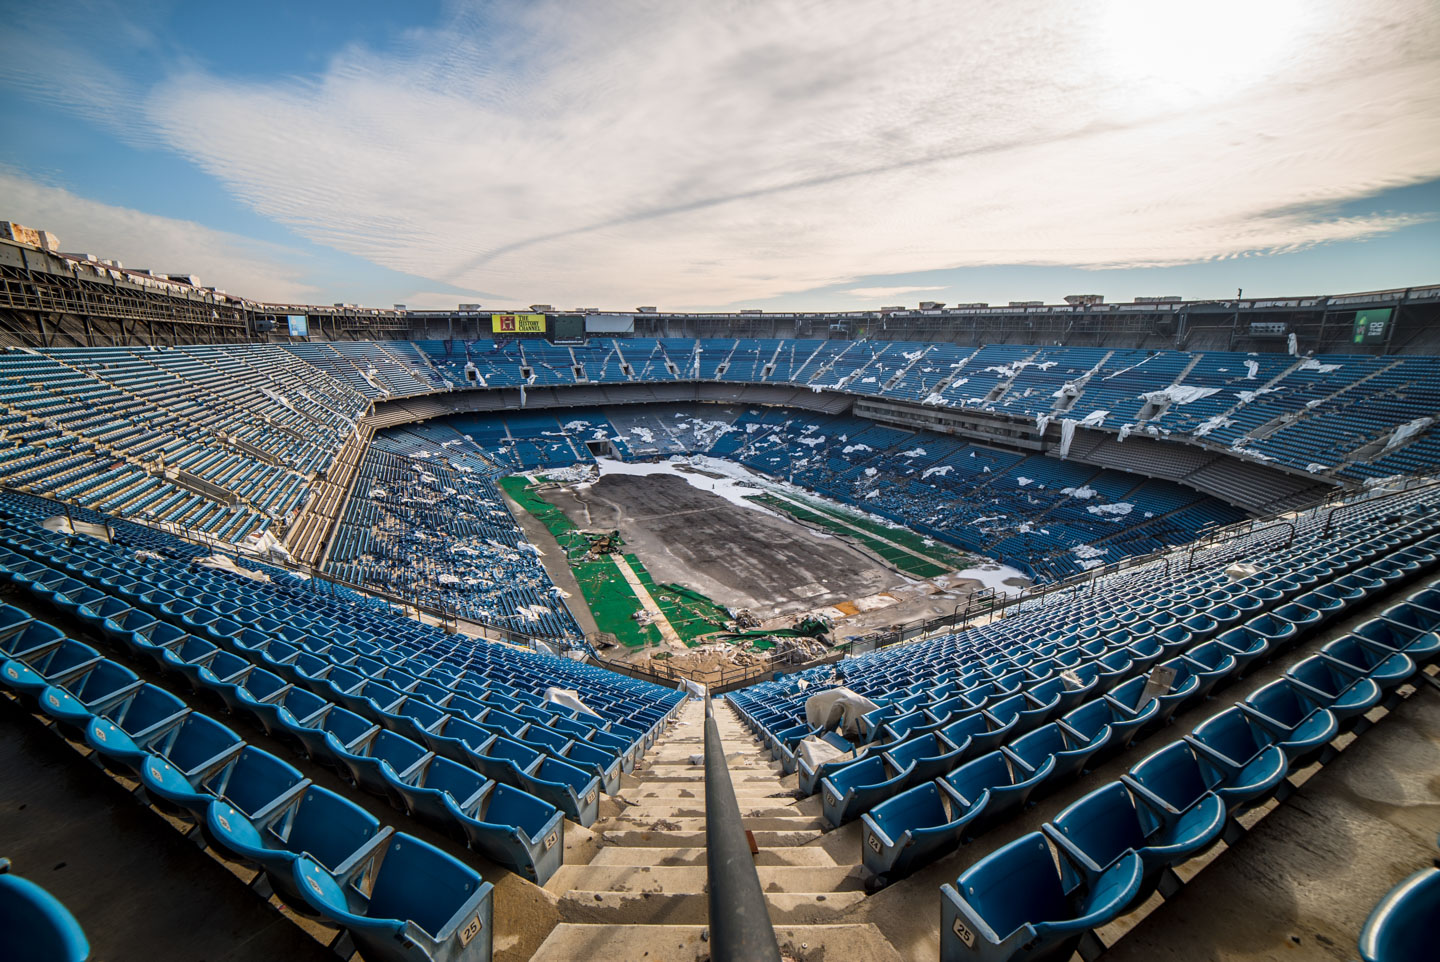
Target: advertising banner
x=517, y=323
x=1370, y=326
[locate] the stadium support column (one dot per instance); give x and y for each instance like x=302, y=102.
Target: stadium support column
x=1394, y=321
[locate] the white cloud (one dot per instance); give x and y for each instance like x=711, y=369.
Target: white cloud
x=874, y=292
x=699, y=154
x=435, y=300
x=139, y=240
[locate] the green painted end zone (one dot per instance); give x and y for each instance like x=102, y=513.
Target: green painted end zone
x=611, y=600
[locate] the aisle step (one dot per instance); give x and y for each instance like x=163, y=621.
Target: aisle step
x=631, y=855
x=684, y=943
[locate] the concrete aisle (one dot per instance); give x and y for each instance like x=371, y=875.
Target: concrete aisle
x=643, y=895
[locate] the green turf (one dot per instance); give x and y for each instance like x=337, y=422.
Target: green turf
x=690, y=613
x=849, y=525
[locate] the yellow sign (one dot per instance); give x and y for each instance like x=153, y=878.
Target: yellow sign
x=517, y=323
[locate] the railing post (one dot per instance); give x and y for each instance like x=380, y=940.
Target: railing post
x=740, y=928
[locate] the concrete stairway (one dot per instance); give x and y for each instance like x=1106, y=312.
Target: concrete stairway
x=643, y=895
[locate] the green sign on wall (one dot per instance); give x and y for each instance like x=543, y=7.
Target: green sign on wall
x=1372, y=326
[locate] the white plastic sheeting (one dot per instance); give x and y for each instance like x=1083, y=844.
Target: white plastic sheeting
x=1407, y=431
x=1179, y=394
x=1067, y=435
x=1211, y=424
x=837, y=706
x=568, y=698
x=222, y=562
x=815, y=752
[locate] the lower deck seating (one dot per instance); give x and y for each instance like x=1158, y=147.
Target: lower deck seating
x=1105, y=854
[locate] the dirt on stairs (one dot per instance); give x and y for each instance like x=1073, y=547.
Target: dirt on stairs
x=643, y=893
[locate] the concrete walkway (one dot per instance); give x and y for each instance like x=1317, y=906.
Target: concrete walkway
x=643, y=895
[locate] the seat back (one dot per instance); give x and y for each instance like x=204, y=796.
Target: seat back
x=1173, y=774
x=301, y=702
x=421, y=884
x=255, y=779
x=197, y=739
x=148, y=705
x=1281, y=702
x=329, y=827
x=1035, y=747
x=399, y=751
x=1102, y=824
x=972, y=779
x=1016, y=884
x=345, y=725
x=444, y=775
x=1232, y=734
x=507, y=805
x=105, y=678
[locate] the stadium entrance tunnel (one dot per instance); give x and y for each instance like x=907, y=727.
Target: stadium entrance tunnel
x=602, y=449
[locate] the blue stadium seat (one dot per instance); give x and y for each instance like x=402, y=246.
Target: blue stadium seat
x=117, y=730
x=421, y=904
x=1017, y=903
x=1070, y=750
x=1300, y=724
x=1100, y=828
x=998, y=783
x=914, y=828
x=1100, y=714
x=1180, y=775
x=924, y=757
x=179, y=759
x=320, y=825
x=1347, y=693
x=81, y=696
x=34, y=925
x=31, y=673
x=859, y=787
x=1401, y=927
x=1388, y=669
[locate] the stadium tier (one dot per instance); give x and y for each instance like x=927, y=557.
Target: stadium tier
x=276, y=595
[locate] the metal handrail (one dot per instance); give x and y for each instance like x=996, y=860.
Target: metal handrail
x=740, y=927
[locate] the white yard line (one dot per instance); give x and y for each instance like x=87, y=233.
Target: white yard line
x=667, y=630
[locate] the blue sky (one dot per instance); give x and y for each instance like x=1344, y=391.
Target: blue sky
x=785, y=154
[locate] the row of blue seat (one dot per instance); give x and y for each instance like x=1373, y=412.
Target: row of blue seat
x=431, y=743
x=1036, y=897
x=362, y=746
x=400, y=898
x=922, y=823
